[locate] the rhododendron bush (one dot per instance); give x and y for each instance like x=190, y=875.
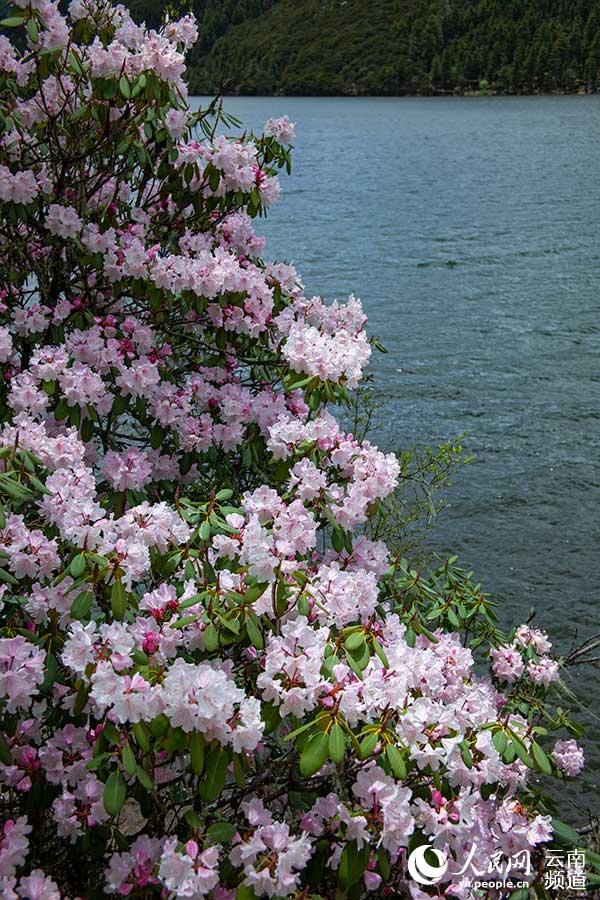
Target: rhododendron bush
x=213, y=680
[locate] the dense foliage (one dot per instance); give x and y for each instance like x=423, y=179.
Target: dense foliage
x=392, y=46
x=214, y=679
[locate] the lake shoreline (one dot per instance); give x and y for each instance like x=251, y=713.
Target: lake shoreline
x=420, y=95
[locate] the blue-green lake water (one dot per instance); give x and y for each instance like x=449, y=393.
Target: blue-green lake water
x=470, y=228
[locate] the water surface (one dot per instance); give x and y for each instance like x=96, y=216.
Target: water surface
x=469, y=228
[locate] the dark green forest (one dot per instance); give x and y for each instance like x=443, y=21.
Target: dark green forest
x=392, y=46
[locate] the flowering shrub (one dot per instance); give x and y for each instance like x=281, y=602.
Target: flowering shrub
x=213, y=681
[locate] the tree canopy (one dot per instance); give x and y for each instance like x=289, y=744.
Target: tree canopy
x=392, y=46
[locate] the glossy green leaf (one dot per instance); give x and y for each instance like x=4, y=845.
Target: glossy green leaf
x=337, y=743
x=353, y=863
x=500, y=741
x=81, y=606
x=124, y=87
x=315, y=754
x=115, y=793
x=254, y=632
x=221, y=832
x=368, y=744
x=118, y=600
x=215, y=774
x=354, y=641
x=396, y=761
x=211, y=637
x=129, y=760
x=540, y=758
x=77, y=567
x=564, y=834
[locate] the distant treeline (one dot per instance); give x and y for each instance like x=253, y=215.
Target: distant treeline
x=392, y=46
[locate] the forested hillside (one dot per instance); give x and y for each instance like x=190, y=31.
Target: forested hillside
x=393, y=46
x=388, y=46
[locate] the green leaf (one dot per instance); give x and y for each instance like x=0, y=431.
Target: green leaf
x=12, y=22
x=396, y=761
x=301, y=729
x=62, y=410
x=144, y=779
x=118, y=600
x=124, y=87
x=197, y=744
x=244, y=892
x=5, y=754
x=540, y=758
x=239, y=771
x=32, y=31
x=270, y=716
x=354, y=641
x=221, y=832
x=211, y=638
x=37, y=484
x=215, y=774
x=87, y=430
x=81, y=699
x=129, y=760
x=75, y=62
x=337, y=539
x=115, y=792
x=120, y=404
x=7, y=578
x=51, y=673
x=77, y=567
x=141, y=736
x=315, y=754
x=522, y=753
x=254, y=632
x=193, y=601
x=81, y=606
x=593, y=858
x=183, y=621
x=139, y=85
x=564, y=834
x=337, y=744
x=368, y=744
x=157, y=436
x=500, y=741
x=465, y=752
x=353, y=863
x=380, y=653
x=111, y=733
x=109, y=92
x=213, y=179
x=230, y=624
x=510, y=753
x=453, y=618
x=193, y=819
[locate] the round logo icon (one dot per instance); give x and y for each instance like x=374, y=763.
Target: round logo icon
x=421, y=870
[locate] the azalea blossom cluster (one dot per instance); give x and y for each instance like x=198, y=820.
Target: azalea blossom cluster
x=210, y=685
